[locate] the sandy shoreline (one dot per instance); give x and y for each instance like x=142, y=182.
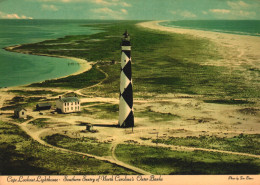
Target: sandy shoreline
x=84, y=64
x=237, y=49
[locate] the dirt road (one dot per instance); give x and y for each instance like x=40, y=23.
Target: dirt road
x=36, y=137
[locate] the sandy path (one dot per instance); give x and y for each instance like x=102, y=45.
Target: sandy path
x=2, y=100
x=178, y=148
x=114, y=160
x=4, y=96
x=79, y=90
x=36, y=137
x=113, y=150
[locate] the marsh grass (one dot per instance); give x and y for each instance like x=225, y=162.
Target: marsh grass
x=163, y=161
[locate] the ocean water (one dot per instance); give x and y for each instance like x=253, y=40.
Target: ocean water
x=240, y=27
x=20, y=69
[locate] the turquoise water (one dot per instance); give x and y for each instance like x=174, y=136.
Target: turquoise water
x=20, y=69
x=240, y=27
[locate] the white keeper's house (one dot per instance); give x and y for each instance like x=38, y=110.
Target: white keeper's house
x=68, y=104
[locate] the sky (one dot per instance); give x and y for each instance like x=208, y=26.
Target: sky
x=131, y=9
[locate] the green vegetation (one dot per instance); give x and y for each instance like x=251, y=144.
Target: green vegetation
x=12, y=107
x=229, y=102
x=145, y=138
x=20, y=155
x=90, y=103
x=102, y=111
x=156, y=116
x=241, y=143
x=93, y=76
x=162, y=63
x=159, y=160
x=20, y=120
x=249, y=111
x=17, y=99
x=110, y=111
x=107, y=107
x=20, y=101
x=71, y=94
x=40, y=122
x=35, y=92
x=86, y=145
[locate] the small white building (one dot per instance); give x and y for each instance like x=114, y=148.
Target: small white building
x=20, y=113
x=68, y=104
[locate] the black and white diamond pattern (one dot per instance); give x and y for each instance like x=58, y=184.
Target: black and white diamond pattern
x=126, y=116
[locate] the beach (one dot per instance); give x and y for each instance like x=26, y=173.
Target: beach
x=237, y=50
x=84, y=64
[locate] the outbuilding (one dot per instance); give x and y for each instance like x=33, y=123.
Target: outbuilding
x=43, y=106
x=20, y=113
x=89, y=127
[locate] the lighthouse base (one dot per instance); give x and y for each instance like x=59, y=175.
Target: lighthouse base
x=129, y=121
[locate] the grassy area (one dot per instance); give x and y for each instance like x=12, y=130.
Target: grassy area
x=241, y=143
x=102, y=110
x=12, y=107
x=110, y=111
x=229, y=102
x=20, y=120
x=93, y=76
x=164, y=161
x=40, y=122
x=162, y=63
x=156, y=116
x=107, y=107
x=86, y=145
x=249, y=111
x=20, y=155
x=21, y=101
x=90, y=103
x=35, y=92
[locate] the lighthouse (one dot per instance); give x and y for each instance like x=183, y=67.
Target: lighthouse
x=126, y=115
